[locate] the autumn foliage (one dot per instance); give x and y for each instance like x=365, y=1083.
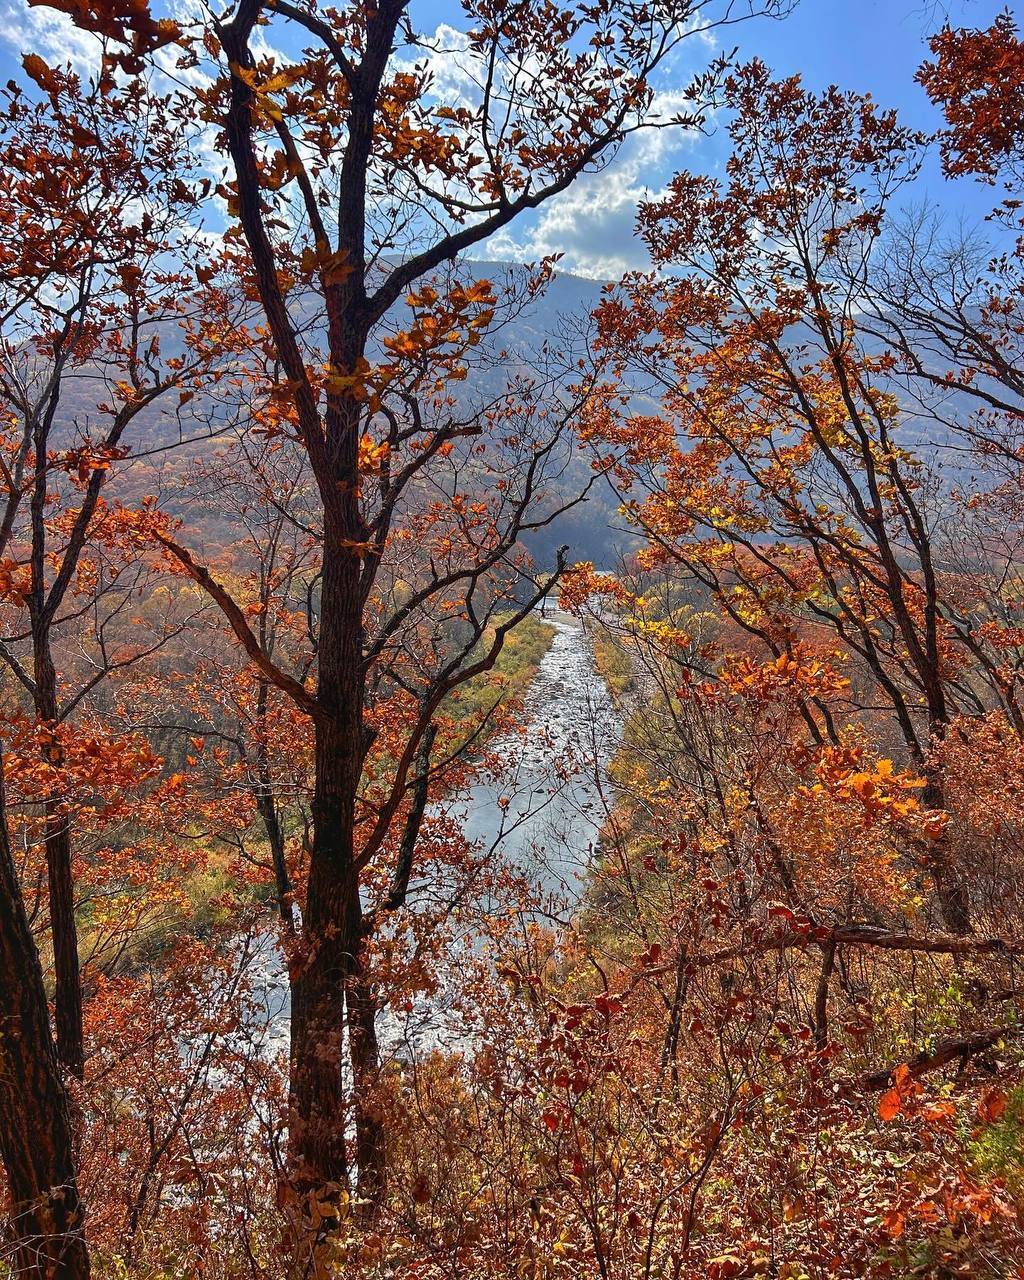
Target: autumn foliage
x=278, y=488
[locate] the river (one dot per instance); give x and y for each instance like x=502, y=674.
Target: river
x=541, y=812
x=552, y=775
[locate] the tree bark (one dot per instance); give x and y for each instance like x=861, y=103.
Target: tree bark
x=332, y=928
x=267, y=808
x=828, y=960
x=364, y=1055
x=275, y=838
x=46, y=1217
x=68, y=988
x=950, y=885
x=60, y=877
x=318, y=1101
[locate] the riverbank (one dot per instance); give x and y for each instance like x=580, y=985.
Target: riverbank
x=613, y=663
x=513, y=674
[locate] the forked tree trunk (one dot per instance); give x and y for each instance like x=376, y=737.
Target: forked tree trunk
x=68, y=981
x=45, y=1219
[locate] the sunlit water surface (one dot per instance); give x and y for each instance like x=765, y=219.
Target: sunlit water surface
x=542, y=815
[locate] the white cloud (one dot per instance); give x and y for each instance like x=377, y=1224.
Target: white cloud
x=50, y=34
x=593, y=223
x=454, y=68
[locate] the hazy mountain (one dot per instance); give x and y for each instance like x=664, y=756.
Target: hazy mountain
x=547, y=333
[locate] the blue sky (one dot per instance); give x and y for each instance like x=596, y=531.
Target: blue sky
x=866, y=45
x=875, y=46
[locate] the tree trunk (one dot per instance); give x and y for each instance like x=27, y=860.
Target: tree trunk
x=64, y=930
x=364, y=1054
x=275, y=838
x=950, y=886
x=271, y=821
x=318, y=1101
x=68, y=991
x=46, y=1216
x=670, y=1047
x=332, y=925
x=828, y=961
x=68, y=985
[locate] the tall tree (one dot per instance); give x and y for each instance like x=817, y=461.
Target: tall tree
x=100, y=326
x=46, y=1217
x=352, y=181
x=799, y=497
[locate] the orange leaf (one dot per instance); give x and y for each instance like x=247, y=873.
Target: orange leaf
x=938, y=1111
x=40, y=72
x=992, y=1106
x=889, y=1104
